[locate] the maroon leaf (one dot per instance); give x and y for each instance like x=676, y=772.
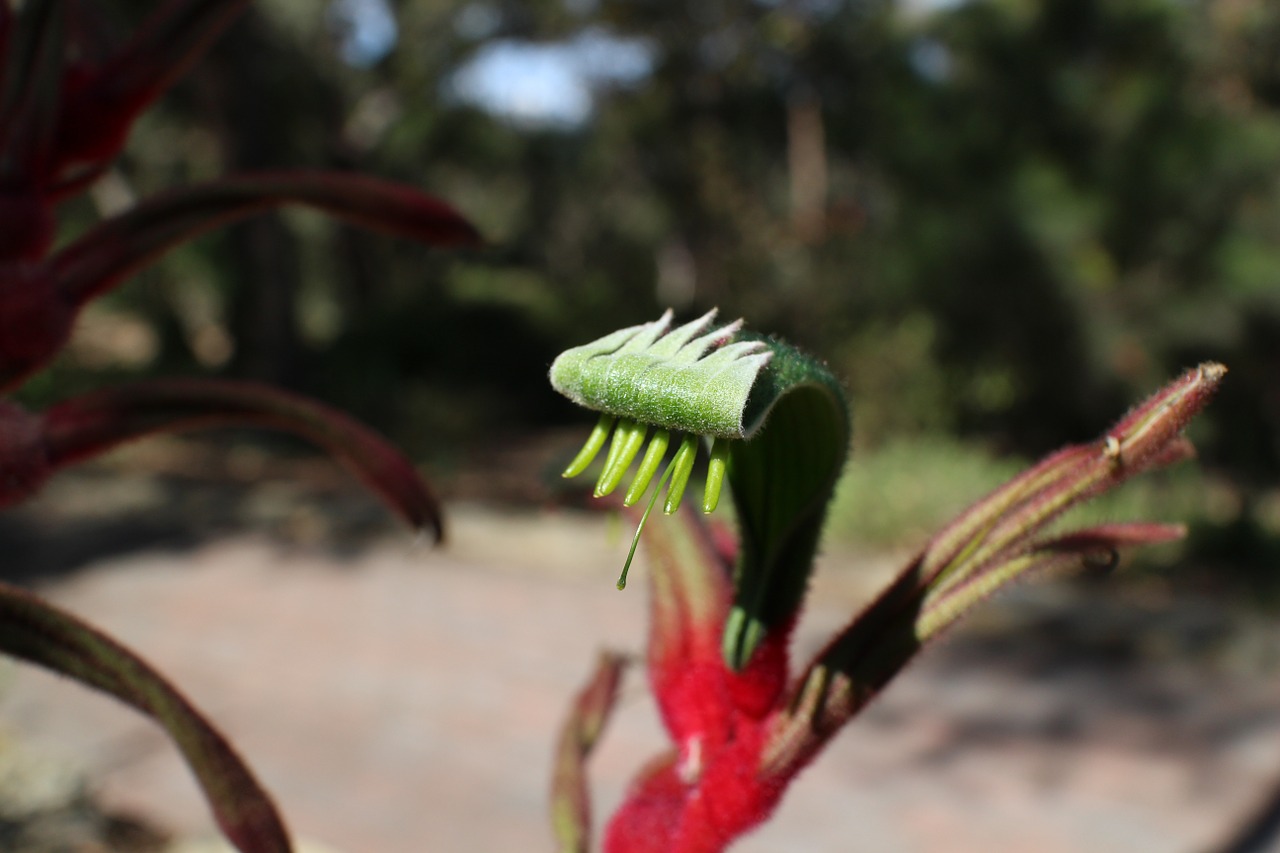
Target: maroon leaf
x=118, y=246
x=6, y=23
x=29, y=98
x=26, y=225
x=24, y=464
x=101, y=103
x=31, y=55
x=570, y=799
x=1079, y=549
x=39, y=303
x=35, y=320
x=91, y=424
x=35, y=631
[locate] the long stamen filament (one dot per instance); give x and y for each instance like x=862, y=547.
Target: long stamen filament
x=628, y=437
x=635, y=540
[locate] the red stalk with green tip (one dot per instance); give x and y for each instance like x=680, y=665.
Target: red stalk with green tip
x=570, y=798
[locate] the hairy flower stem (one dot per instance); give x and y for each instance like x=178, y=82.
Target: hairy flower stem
x=998, y=539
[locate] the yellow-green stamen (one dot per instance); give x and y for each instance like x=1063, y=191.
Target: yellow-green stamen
x=682, y=467
x=716, y=469
x=595, y=441
x=648, y=467
x=627, y=440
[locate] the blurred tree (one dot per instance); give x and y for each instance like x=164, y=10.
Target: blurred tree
x=999, y=217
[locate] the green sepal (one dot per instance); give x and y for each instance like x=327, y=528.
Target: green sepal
x=782, y=479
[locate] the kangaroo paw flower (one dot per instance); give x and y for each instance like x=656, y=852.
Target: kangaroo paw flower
x=778, y=429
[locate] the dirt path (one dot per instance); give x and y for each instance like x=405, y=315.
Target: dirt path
x=403, y=700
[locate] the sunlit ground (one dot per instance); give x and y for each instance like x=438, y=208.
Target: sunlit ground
x=395, y=697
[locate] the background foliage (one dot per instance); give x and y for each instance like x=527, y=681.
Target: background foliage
x=1000, y=219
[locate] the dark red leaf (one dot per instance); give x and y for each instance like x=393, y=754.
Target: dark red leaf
x=35, y=631
x=120, y=245
x=1109, y=537
x=101, y=103
x=6, y=23
x=94, y=423
x=24, y=465
x=35, y=320
x=26, y=224
x=31, y=56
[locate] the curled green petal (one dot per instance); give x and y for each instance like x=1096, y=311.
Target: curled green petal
x=627, y=440
x=676, y=379
x=648, y=467
x=782, y=480
x=682, y=467
x=595, y=441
